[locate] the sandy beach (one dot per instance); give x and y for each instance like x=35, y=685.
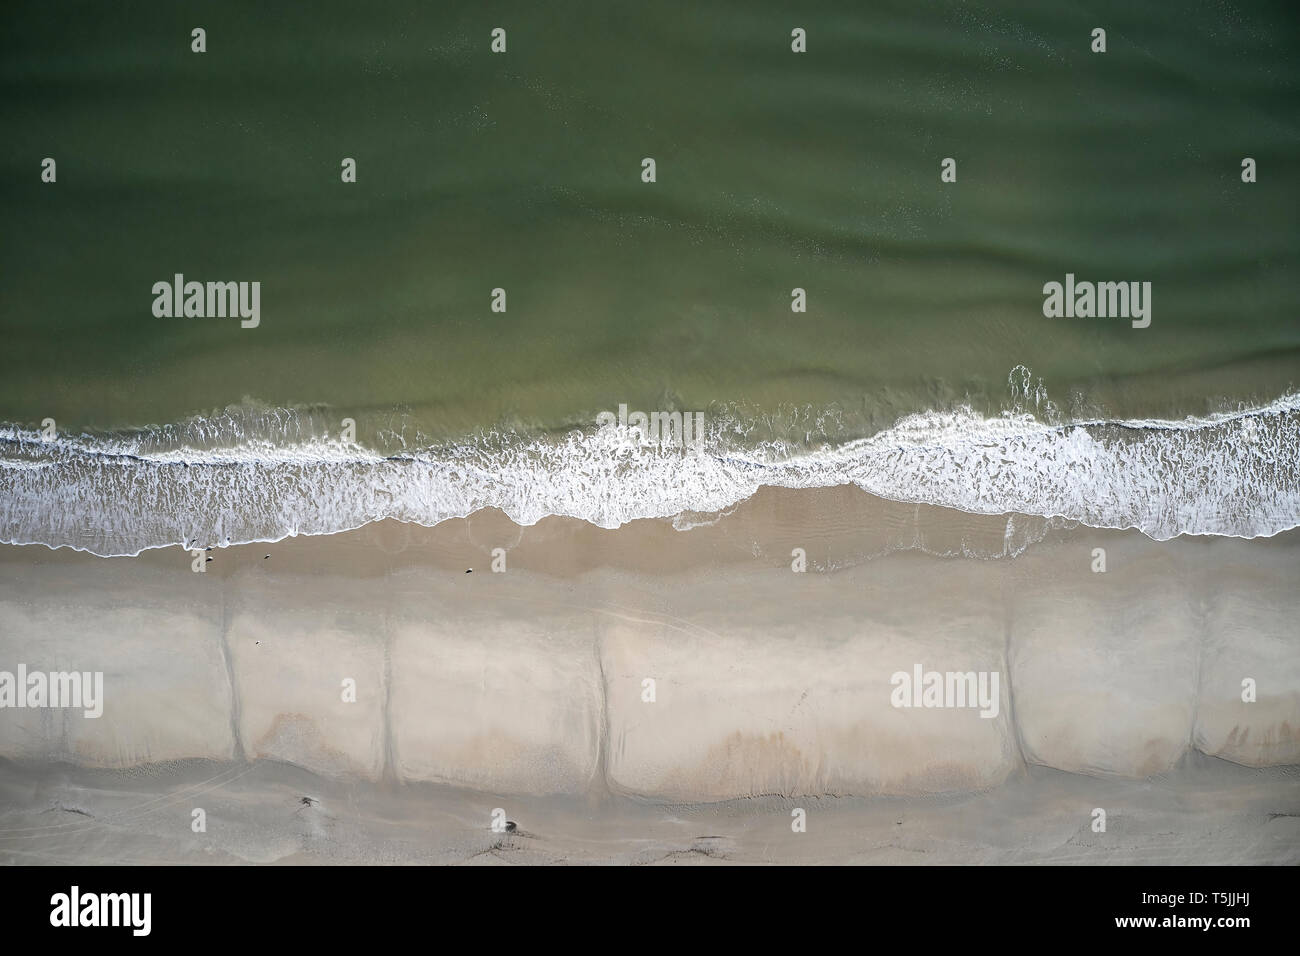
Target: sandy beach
x=770, y=689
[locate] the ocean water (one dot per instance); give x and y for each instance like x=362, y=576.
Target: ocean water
x=924, y=368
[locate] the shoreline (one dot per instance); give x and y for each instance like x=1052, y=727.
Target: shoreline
x=1230, y=475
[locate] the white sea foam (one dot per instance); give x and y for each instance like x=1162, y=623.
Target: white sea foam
x=264, y=474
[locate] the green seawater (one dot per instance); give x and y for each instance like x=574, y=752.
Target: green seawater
x=522, y=171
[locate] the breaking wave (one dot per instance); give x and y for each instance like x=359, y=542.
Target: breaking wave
x=258, y=474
